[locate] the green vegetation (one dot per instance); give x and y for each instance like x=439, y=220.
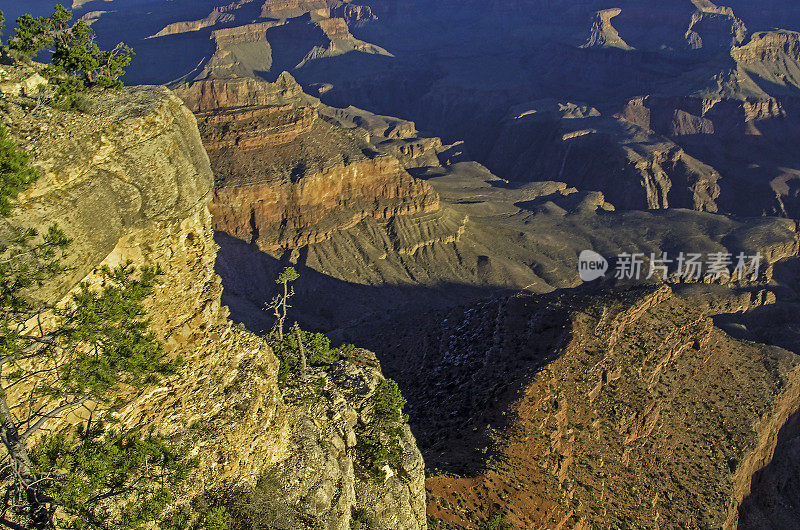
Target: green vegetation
x=77, y=64
x=83, y=469
x=317, y=347
x=55, y=359
x=16, y=173
x=300, y=348
x=495, y=522
x=379, y=444
x=244, y=507
x=217, y=519
x=360, y=520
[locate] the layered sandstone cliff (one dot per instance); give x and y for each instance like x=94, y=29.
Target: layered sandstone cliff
x=286, y=175
x=131, y=181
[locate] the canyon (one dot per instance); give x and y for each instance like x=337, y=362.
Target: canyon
x=396, y=277
x=433, y=171
x=134, y=185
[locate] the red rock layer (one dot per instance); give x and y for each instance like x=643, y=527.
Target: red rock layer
x=631, y=424
x=286, y=214
x=286, y=177
x=259, y=127
x=215, y=94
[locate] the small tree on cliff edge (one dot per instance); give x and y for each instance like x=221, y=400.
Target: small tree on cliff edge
x=77, y=64
x=55, y=359
x=280, y=304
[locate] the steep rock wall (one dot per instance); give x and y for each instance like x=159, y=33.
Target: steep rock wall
x=131, y=181
x=288, y=177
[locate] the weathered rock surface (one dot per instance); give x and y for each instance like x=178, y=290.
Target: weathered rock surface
x=131, y=181
x=286, y=176
x=598, y=408
x=127, y=166
x=602, y=33
x=327, y=476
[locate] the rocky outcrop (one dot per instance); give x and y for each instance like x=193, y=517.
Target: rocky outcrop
x=602, y=33
x=239, y=51
x=714, y=28
x=21, y=82
x=215, y=94
x=96, y=160
x=739, y=119
x=548, y=140
x=130, y=181
x=618, y=408
x=219, y=15
x=768, y=47
x=283, y=9
x=353, y=12
x=322, y=448
x=287, y=176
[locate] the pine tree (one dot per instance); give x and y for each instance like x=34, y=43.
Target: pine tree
x=57, y=358
x=77, y=63
x=280, y=304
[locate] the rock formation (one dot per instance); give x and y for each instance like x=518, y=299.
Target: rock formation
x=283, y=9
x=596, y=409
x=673, y=129
x=219, y=15
x=602, y=34
x=286, y=176
x=579, y=146
x=131, y=181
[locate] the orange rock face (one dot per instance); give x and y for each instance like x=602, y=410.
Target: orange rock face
x=280, y=125
x=215, y=94
x=286, y=214
x=287, y=177
x=627, y=421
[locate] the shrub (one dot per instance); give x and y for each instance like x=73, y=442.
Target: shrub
x=32, y=35
x=495, y=522
x=318, y=349
x=379, y=443
x=217, y=519
x=16, y=172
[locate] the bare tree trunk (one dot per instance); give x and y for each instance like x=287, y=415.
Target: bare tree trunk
x=284, y=301
x=22, y=469
x=303, y=366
